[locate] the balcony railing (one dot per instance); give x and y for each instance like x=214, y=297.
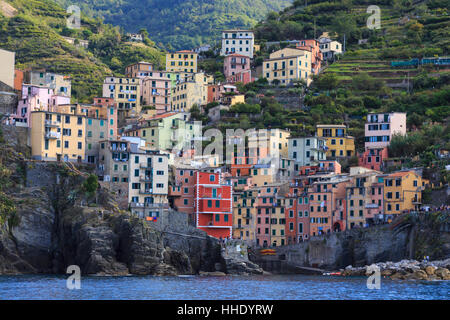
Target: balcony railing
x=53, y=135
x=49, y=123
x=146, y=178
x=146, y=191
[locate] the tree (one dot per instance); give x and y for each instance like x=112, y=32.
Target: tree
x=326, y=81
x=90, y=185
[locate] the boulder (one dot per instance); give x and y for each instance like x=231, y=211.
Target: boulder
x=430, y=270
x=397, y=276
x=443, y=273
x=419, y=275
x=387, y=272
x=212, y=274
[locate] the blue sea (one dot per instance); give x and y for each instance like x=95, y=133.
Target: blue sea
x=273, y=287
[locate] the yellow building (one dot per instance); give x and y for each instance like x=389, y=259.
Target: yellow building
x=231, y=100
x=182, y=61
x=192, y=91
x=126, y=92
x=287, y=65
x=338, y=142
x=58, y=136
x=244, y=216
x=402, y=191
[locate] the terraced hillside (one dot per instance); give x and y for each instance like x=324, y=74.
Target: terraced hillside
x=35, y=30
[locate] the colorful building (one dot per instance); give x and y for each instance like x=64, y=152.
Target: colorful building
x=312, y=46
x=307, y=151
x=167, y=131
x=58, y=136
x=190, y=92
x=139, y=70
x=7, y=64
x=339, y=144
x=326, y=197
x=182, y=61
x=156, y=91
x=60, y=84
x=329, y=48
x=402, y=192
x=372, y=158
x=244, y=216
x=113, y=168
x=126, y=92
x=380, y=128
x=288, y=65
x=148, y=182
x=213, y=204
x=270, y=214
x=238, y=41
x=236, y=68
x=364, y=197
x=182, y=190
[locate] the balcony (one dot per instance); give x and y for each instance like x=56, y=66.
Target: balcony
x=145, y=166
x=52, y=135
x=146, y=178
x=146, y=191
x=54, y=124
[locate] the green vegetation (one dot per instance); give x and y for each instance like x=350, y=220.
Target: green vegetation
x=36, y=35
x=179, y=24
x=362, y=80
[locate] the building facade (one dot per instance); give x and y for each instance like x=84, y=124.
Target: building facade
x=339, y=144
x=288, y=65
x=182, y=61
x=238, y=41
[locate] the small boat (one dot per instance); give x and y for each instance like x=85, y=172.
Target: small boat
x=267, y=252
x=332, y=274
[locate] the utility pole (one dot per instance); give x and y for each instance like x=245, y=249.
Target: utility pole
x=344, y=42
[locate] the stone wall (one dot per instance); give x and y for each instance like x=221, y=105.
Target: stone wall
x=360, y=247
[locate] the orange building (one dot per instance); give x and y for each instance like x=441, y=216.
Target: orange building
x=18, y=79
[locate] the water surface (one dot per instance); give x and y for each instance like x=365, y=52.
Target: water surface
x=277, y=287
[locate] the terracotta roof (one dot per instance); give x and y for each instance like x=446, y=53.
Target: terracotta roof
x=162, y=116
x=185, y=51
x=400, y=174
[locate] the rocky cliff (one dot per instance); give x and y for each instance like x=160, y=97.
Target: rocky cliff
x=55, y=231
x=48, y=222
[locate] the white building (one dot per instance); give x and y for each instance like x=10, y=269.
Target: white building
x=148, y=182
x=238, y=41
x=306, y=151
x=7, y=61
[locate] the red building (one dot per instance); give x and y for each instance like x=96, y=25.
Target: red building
x=213, y=204
x=373, y=158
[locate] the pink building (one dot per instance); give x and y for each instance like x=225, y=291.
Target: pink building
x=312, y=46
x=236, y=68
x=156, y=90
x=373, y=158
x=36, y=98
x=380, y=128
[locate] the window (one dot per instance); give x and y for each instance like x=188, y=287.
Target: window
x=212, y=178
